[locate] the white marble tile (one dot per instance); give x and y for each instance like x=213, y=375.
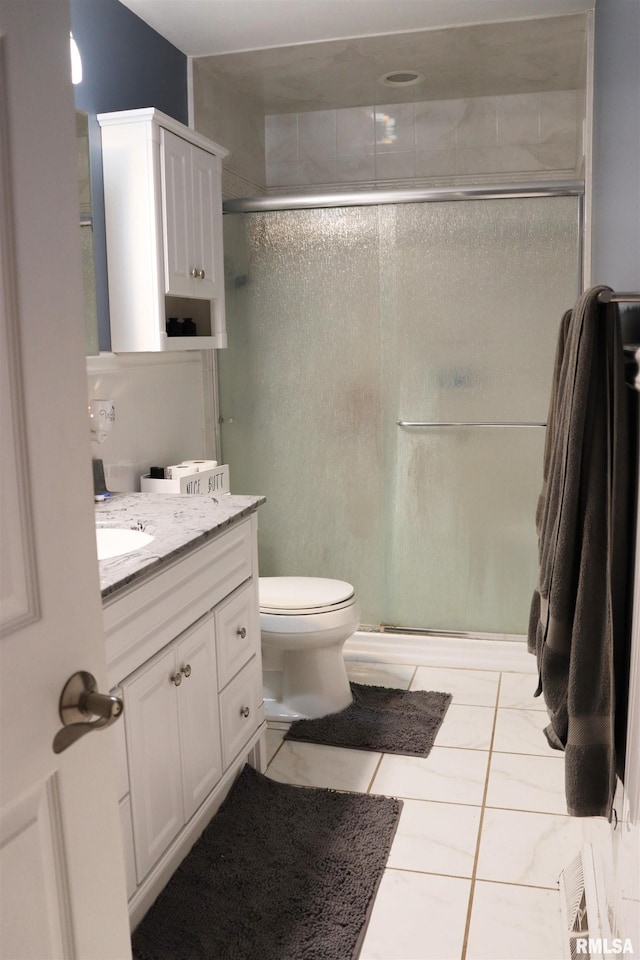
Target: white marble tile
x=396, y=675
x=454, y=776
x=518, y=119
x=436, y=838
x=355, y=134
x=436, y=162
x=283, y=174
x=509, y=922
x=521, y=731
x=473, y=160
x=274, y=739
x=320, y=170
x=436, y=123
x=465, y=726
x=317, y=135
x=527, y=848
x=559, y=116
x=395, y=128
x=281, y=138
x=520, y=782
x=395, y=166
x=315, y=765
x=354, y=169
x=478, y=125
x=417, y=917
x=517, y=690
x=518, y=159
x=475, y=687
x=557, y=156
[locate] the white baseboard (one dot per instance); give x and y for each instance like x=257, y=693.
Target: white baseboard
x=437, y=651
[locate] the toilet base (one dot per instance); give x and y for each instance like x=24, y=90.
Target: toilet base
x=312, y=684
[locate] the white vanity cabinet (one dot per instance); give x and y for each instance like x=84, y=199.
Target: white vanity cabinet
x=183, y=651
x=163, y=219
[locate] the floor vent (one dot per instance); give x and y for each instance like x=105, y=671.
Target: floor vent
x=590, y=918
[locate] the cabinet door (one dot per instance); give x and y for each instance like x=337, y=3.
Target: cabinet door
x=207, y=225
x=177, y=214
x=198, y=715
x=154, y=759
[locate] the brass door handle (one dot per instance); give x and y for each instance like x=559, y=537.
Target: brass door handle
x=79, y=701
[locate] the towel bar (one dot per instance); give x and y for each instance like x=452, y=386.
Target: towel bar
x=463, y=423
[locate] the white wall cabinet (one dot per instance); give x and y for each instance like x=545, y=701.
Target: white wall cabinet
x=183, y=651
x=163, y=217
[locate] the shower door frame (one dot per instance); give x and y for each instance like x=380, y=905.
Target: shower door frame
x=312, y=201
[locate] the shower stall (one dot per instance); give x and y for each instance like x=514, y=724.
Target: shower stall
x=386, y=386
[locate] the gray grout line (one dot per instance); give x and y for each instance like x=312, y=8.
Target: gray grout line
x=479, y=841
x=460, y=876
x=375, y=774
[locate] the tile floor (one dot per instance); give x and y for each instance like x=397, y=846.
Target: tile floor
x=473, y=871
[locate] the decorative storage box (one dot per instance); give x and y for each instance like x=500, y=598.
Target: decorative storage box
x=207, y=482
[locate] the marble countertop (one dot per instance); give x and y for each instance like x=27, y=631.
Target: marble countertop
x=178, y=524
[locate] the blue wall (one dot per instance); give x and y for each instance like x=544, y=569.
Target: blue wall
x=126, y=65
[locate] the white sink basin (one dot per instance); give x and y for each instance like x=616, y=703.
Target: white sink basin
x=113, y=542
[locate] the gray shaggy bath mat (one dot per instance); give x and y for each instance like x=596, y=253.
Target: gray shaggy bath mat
x=380, y=719
x=280, y=873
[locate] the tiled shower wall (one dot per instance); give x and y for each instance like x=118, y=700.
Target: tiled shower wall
x=537, y=134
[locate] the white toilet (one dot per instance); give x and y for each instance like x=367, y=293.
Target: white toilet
x=304, y=623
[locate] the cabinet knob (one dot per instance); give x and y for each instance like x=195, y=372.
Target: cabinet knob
x=244, y=711
x=177, y=679
x=194, y=273
x=242, y=632
x=201, y=274
x=187, y=670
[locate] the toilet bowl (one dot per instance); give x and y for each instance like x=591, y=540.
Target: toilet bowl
x=304, y=623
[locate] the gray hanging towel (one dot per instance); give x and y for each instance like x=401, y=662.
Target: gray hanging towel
x=578, y=628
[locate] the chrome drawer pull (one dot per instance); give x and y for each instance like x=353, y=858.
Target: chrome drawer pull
x=177, y=679
x=244, y=711
x=242, y=633
x=187, y=669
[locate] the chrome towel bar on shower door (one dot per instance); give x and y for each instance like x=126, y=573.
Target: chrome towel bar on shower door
x=463, y=423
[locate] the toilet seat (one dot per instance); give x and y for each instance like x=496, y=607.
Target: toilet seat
x=301, y=596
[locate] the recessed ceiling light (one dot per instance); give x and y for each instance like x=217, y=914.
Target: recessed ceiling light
x=401, y=78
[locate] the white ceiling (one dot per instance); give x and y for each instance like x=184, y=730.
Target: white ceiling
x=210, y=27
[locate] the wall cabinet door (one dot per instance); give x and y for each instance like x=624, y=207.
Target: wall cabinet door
x=177, y=215
x=198, y=716
x=191, y=217
x=207, y=238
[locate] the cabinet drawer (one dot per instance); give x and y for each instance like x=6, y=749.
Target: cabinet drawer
x=237, y=632
x=241, y=709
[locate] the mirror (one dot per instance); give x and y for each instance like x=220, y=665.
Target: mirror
x=86, y=234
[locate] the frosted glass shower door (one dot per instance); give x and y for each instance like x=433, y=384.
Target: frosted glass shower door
x=300, y=392
x=471, y=300
x=343, y=321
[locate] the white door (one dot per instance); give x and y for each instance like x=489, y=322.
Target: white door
x=177, y=215
x=62, y=890
x=198, y=715
x=154, y=754
x=207, y=229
